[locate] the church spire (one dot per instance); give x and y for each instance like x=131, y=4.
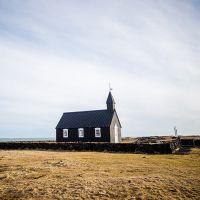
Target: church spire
x=110, y=102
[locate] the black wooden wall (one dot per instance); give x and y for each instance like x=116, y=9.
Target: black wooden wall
x=89, y=135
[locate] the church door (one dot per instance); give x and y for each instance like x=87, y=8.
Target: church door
x=116, y=133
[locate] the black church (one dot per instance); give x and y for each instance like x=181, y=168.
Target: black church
x=90, y=126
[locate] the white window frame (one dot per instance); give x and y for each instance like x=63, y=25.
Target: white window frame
x=98, y=135
x=65, y=133
x=81, y=132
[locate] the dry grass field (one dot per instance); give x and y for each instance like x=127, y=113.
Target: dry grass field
x=41, y=175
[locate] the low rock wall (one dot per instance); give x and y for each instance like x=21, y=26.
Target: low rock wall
x=190, y=142
x=162, y=148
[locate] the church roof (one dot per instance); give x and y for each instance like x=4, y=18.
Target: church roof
x=82, y=119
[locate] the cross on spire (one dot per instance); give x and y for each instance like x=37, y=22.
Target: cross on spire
x=110, y=87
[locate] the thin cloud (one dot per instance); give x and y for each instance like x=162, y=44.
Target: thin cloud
x=52, y=52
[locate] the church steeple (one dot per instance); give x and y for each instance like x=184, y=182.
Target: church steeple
x=110, y=102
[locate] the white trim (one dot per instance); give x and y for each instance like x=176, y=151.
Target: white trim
x=65, y=133
x=97, y=132
x=81, y=132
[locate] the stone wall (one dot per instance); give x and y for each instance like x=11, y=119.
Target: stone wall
x=162, y=148
x=190, y=142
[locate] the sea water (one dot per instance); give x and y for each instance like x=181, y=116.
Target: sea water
x=25, y=139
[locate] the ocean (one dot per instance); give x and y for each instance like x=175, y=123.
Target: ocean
x=26, y=139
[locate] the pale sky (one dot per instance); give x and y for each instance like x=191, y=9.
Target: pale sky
x=58, y=56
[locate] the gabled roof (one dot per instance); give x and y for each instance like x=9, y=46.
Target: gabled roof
x=94, y=118
x=110, y=99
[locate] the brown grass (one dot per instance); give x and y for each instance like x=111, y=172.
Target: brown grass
x=41, y=175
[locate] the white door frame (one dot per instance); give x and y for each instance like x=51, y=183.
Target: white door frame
x=116, y=133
